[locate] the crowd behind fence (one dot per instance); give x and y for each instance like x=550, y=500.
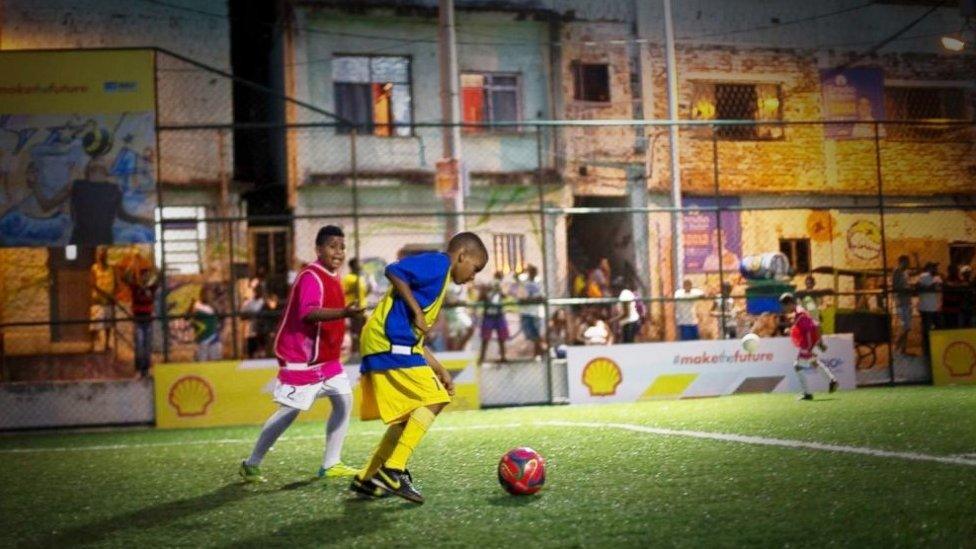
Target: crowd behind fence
x=579, y=226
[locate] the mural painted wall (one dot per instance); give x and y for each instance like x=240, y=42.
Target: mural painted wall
x=77, y=148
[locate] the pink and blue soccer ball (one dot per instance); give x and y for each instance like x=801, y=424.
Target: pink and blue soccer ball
x=522, y=471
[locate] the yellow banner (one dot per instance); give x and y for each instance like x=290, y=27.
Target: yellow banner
x=953, y=357
x=211, y=394
x=79, y=82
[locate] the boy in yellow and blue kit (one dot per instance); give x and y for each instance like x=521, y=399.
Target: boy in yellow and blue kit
x=402, y=383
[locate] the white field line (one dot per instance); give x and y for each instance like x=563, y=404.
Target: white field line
x=960, y=459
x=763, y=441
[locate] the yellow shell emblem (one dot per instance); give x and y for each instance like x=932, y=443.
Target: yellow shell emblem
x=602, y=376
x=959, y=358
x=190, y=396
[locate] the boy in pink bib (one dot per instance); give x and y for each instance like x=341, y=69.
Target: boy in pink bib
x=307, y=345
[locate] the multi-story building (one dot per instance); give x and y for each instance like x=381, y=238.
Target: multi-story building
x=774, y=64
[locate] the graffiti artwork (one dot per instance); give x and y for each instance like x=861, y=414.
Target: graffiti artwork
x=864, y=240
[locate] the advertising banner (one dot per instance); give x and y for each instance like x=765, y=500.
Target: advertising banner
x=855, y=94
x=953, y=357
x=701, y=236
x=210, y=394
x=694, y=369
x=77, y=147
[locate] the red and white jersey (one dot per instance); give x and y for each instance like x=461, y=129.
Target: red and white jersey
x=309, y=352
x=805, y=333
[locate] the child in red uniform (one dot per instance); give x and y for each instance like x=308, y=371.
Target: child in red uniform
x=805, y=333
x=307, y=347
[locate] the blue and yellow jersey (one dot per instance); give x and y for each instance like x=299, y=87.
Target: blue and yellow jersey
x=389, y=339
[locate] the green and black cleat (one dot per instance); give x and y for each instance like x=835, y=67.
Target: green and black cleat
x=251, y=473
x=399, y=483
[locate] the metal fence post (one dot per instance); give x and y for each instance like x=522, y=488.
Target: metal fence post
x=884, y=249
x=718, y=225
x=545, y=264
x=354, y=175
x=162, y=220
x=233, y=289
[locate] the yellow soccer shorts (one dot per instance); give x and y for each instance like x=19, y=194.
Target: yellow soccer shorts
x=391, y=395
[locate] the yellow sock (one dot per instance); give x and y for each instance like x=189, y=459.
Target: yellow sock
x=415, y=429
x=383, y=450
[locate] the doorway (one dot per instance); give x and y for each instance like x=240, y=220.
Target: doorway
x=591, y=237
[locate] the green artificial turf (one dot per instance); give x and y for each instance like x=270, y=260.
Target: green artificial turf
x=606, y=486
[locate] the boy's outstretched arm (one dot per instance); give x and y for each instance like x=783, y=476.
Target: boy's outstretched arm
x=440, y=370
x=406, y=293
x=323, y=314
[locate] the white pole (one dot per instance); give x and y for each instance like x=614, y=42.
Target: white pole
x=677, y=248
x=450, y=107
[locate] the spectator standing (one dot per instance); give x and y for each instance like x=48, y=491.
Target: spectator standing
x=629, y=318
x=102, y=310
x=953, y=293
x=579, y=281
x=969, y=296
x=206, y=328
x=460, y=325
x=902, y=287
x=810, y=298
x=929, y=286
x=597, y=279
x=356, y=287
x=268, y=321
x=684, y=311
x=251, y=310
x=727, y=317
x=559, y=333
x=531, y=316
x=493, y=317
x=143, y=283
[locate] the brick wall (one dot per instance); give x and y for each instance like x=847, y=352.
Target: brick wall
x=587, y=149
x=802, y=160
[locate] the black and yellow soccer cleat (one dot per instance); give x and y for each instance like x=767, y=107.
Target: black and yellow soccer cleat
x=399, y=483
x=368, y=488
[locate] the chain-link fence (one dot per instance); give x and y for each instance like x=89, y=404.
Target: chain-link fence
x=581, y=213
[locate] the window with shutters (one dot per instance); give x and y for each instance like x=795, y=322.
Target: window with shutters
x=374, y=92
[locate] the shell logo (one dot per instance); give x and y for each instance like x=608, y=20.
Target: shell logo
x=959, y=359
x=602, y=376
x=190, y=396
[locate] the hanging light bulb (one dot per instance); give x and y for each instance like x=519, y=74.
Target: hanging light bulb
x=952, y=43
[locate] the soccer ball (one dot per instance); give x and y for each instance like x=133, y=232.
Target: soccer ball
x=97, y=142
x=522, y=471
x=750, y=342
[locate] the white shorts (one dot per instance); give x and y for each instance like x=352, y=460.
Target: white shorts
x=806, y=363
x=303, y=396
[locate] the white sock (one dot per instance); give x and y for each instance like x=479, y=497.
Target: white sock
x=825, y=371
x=276, y=424
x=802, y=376
x=335, y=429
